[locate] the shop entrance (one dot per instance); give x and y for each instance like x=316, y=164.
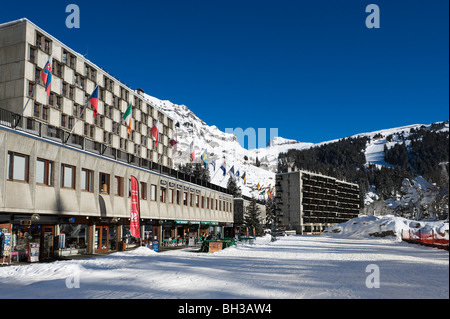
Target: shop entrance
x=47, y=236
x=101, y=239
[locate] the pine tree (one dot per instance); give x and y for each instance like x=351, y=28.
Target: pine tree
x=252, y=218
x=233, y=187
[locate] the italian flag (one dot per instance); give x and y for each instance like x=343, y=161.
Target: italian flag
x=127, y=118
x=155, y=132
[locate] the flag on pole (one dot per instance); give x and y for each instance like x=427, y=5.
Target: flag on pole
x=224, y=168
x=155, y=132
x=213, y=163
x=238, y=174
x=135, y=228
x=174, y=143
x=244, y=177
x=232, y=171
x=192, y=151
x=94, y=101
x=204, y=158
x=127, y=118
x=46, y=75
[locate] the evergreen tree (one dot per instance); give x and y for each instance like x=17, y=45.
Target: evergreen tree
x=233, y=187
x=252, y=219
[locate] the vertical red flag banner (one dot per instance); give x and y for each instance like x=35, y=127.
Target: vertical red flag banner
x=135, y=209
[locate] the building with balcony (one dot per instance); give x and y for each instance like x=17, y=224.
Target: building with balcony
x=66, y=187
x=309, y=203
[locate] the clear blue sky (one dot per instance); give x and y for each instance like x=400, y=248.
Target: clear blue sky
x=309, y=68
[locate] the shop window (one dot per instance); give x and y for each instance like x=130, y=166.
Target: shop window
x=87, y=180
x=74, y=240
x=153, y=193
x=104, y=183
x=44, y=172
x=18, y=165
x=67, y=176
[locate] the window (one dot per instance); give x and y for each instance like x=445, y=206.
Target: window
x=143, y=190
x=67, y=176
x=118, y=186
x=18, y=167
x=104, y=183
x=153, y=193
x=170, y=195
x=203, y=201
x=178, y=197
x=197, y=201
x=162, y=194
x=32, y=55
x=192, y=200
x=87, y=180
x=44, y=172
x=185, y=199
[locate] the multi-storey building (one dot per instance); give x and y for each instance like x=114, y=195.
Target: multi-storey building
x=70, y=192
x=309, y=202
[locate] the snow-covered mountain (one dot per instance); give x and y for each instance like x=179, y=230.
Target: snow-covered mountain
x=224, y=147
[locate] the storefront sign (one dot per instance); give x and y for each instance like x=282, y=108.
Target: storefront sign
x=182, y=222
x=134, y=209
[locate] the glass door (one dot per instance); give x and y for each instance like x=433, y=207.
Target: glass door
x=46, y=250
x=101, y=239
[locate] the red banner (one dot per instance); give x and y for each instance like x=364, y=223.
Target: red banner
x=134, y=210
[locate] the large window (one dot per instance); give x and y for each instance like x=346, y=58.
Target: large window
x=104, y=183
x=170, y=196
x=162, y=194
x=87, y=180
x=153, y=193
x=44, y=172
x=67, y=176
x=118, y=186
x=18, y=167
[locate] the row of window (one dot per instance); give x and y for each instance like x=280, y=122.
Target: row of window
x=18, y=170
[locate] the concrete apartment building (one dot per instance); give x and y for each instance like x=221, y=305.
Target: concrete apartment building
x=70, y=192
x=309, y=203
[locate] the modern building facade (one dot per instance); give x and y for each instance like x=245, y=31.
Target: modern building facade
x=309, y=203
x=69, y=193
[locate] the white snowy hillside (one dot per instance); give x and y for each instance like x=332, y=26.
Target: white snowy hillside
x=223, y=147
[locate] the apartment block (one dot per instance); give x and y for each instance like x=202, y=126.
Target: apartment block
x=309, y=202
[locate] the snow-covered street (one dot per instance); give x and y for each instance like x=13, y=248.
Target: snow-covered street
x=293, y=267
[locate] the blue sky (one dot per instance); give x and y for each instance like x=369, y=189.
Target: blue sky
x=309, y=68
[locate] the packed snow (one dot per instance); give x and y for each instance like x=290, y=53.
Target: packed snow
x=293, y=267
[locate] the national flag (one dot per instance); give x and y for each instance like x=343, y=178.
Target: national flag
x=46, y=75
x=232, y=171
x=155, y=132
x=213, y=163
x=94, y=101
x=224, y=168
x=204, y=158
x=135, y=208
x=258, y=186
x=238, y=174
x=192, y=151
x=127, y=118
x=174, y=143
x=244, y=177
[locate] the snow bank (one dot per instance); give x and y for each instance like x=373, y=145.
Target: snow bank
x=381, y=226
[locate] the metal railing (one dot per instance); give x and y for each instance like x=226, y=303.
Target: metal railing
x=59, y=135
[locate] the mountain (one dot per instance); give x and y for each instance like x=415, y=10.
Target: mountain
x=225, y=147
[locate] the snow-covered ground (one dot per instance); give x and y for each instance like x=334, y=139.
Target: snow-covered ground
x=293, y=267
